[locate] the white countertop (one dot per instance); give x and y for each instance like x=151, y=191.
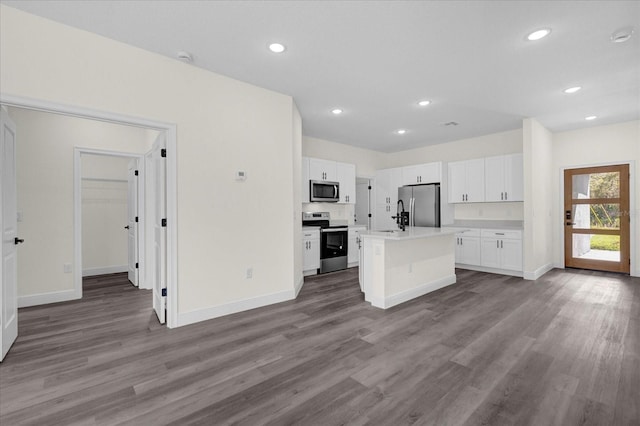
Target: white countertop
x=411, y=233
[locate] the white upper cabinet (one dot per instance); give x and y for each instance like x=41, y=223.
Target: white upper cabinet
x=422, y=173
x=504, y=177
x=466, y=181
x=322, y=170
x=346, y=176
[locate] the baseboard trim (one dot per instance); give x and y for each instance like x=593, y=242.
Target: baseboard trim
x=90, y=272
x=489, y=270
x=46, y=298
x=233, y=307
x=299, y=286
x=538, y=272
x=405, y=296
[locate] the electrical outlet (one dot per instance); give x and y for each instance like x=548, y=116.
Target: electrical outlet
x=67, y=268
x=249, y=272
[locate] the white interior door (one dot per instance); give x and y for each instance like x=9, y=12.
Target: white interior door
x=158, y=165
x=8, y=219
x=132, y=222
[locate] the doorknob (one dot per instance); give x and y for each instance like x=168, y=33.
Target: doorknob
x=570, y=223
x=126, y=227
x=17, y=241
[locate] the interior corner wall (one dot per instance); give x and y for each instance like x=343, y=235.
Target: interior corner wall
x=44, y=173
x=297, y=198
x=593, y=146
x=538, y=193
x=104, y=214
x=223, y=126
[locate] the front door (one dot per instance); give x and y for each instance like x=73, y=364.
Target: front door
x=9, y=225
x=596, y=218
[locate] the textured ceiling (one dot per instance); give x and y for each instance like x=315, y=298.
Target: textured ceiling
x=376, y=59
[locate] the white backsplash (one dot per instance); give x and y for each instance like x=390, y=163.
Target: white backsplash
x=489, y=211
x=337, y=211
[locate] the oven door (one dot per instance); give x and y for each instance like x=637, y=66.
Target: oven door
x=333, y=242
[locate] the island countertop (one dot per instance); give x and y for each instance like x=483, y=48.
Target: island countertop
x=411, y=233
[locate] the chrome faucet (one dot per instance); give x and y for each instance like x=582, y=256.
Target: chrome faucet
x=400, y=215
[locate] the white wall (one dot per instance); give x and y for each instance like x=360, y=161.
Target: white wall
x=223, y=126
x=366, y=160
x=537, y=162
x=44, y=168
x=612, y=144
x=104, y=214
x=297, y=198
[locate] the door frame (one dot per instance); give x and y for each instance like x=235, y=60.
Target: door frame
x=634, y=270
x=78, y=152
x=170, y=130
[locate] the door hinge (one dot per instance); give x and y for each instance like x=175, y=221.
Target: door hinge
x=164, y=292
x=369, y=187
x=135, y=173
x=137, y=265
x=164, y=222
x=136, y=219
x=163, y=153
x=370, y=215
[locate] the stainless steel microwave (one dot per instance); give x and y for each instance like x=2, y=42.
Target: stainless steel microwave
x=323, y=191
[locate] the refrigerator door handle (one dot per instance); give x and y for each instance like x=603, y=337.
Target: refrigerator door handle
x=413, y=212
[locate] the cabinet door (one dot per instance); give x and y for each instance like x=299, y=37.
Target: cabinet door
x=346, y=176
x=457, y=181
x=305, y=179
x=353, y=253
x=494, y=178
x=459, y=249
x=322, y=169
x=511, y=254
x=411, y=175
x=471, y=250
x=474, y=180
x=490, y=252
x=311, y=250
x=513, y=177
x=383, y=219
x=383, y=186
x=430, y=173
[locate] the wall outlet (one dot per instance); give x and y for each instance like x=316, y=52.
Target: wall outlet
x=67, y=268
x=249, y=272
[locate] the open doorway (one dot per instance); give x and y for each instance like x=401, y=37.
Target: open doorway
x=362, y=213
x=66, y=236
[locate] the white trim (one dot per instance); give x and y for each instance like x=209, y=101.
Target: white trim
x=421, y=290
x=172, y=194
x=489, y=270
x=46, y=298
x=233, y=307
x=298, y=287
x=538, y=272
x=633, y=232
x=91, y=272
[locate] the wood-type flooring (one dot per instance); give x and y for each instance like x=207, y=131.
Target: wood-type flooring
x=490, y=350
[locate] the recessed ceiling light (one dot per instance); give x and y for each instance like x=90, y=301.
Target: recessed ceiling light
x=591, y=117
x=185, y=57
x=572, y=89
x=401, y=131
x=537, y=35
x=622, y=35
x=424, y=103
x=337, y=111
x=277, y=47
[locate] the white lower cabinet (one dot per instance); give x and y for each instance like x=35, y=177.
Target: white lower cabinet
x=353, y=253
x=311, y=251
x=468, y=247
x=501, y=249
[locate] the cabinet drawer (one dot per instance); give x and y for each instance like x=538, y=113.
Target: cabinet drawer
x=311, y=235
x=469, y=233
x=505, y=234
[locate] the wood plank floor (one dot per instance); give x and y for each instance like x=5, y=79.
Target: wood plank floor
x=491, y=350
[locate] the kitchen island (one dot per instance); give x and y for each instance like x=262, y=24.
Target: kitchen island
x=397, y=266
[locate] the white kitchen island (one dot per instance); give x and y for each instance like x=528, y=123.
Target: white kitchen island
x=397, y=266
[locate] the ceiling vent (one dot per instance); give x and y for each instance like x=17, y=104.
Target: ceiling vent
x=450, y=123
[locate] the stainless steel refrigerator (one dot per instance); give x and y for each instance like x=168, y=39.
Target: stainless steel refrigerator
x=423, y=204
